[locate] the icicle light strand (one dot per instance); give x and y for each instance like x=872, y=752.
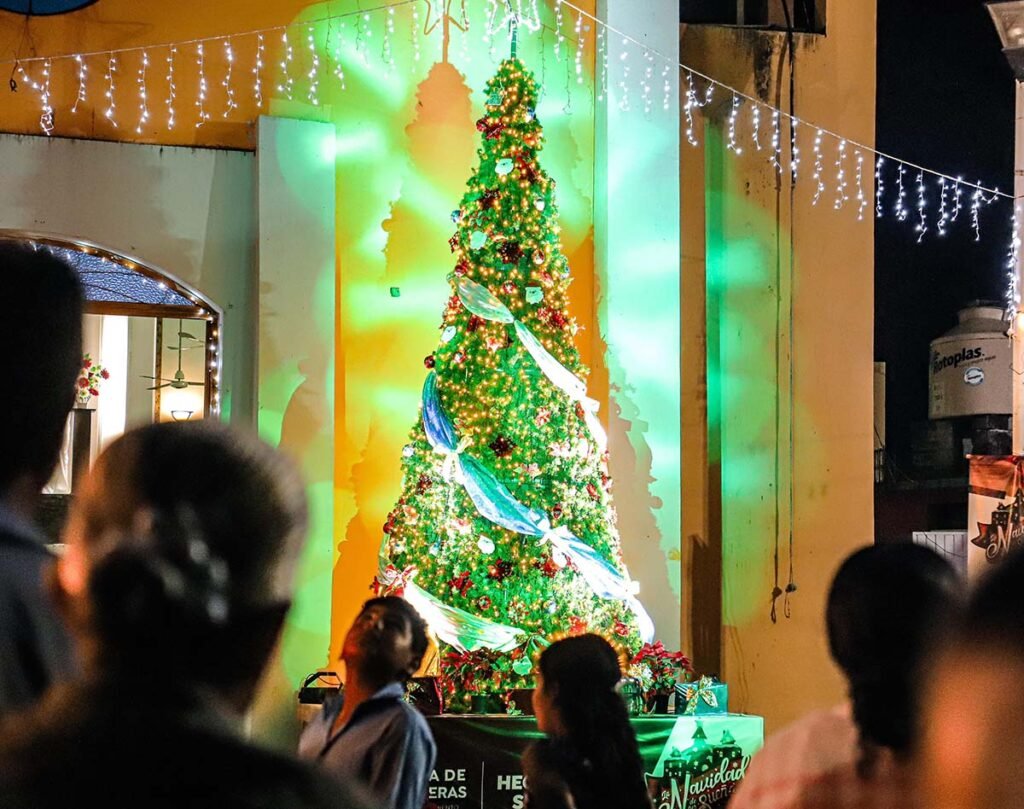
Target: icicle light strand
x=143, y=94
x=733, y=146
x=819, y=168
x=313, y=94
x=257, y=71
x=229, y=87
x=202, y=114
x=172, y=92
x=111, y=111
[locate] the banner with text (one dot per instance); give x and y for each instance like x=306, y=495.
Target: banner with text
x=995, y=510
x=691, y=761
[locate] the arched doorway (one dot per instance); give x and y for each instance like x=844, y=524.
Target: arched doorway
x=159, y=339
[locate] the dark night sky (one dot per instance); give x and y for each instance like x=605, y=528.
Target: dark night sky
x=945, y=100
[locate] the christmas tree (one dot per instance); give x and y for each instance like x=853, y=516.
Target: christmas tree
x=504, y=535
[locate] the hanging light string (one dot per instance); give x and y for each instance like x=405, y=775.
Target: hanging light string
x=746, y=97
x=562, y=6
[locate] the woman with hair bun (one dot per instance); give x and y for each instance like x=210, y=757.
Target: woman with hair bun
x=885, y=606
x=176, y=581
x=590, y=758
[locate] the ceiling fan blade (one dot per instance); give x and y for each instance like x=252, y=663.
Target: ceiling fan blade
x=200, y=384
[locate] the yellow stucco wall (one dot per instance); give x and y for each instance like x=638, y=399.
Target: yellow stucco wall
x=746, y=470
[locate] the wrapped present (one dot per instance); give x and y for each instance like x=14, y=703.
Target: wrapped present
x=705, y=696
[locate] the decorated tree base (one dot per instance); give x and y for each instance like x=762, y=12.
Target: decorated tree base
x=504, y=534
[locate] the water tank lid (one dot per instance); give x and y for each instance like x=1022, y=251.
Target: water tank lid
x=981, y=311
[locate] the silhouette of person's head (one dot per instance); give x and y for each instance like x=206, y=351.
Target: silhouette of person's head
x=41, y=335
x=883, y=608
x=974, y=714
x=180, y=557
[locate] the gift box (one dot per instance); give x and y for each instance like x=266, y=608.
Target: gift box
x=707, y=695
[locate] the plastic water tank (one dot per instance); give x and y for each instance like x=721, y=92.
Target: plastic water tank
x=970, y=369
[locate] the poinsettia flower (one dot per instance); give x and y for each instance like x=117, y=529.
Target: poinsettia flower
x=83, y=382
x=561, y=449
x=105, y=373
x=93, y=392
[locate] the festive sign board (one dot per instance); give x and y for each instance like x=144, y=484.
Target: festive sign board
x=995, y=510
x=691, y=761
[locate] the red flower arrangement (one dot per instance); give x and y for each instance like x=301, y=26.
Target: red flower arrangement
x=89, y=378
x=658, y=669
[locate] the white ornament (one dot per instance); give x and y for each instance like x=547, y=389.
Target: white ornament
x=485, y=544
x=448, y=334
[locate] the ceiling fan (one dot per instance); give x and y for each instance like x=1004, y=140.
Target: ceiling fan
x=178, y=382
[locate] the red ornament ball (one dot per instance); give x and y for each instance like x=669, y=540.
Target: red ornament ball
x=429, y=361
x=592, y=491
x=483, y=603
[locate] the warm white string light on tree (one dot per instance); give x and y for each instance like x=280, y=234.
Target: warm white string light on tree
x=957, y=200
x=755, y=124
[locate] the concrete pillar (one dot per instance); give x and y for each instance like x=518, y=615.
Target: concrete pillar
x=637, y=256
